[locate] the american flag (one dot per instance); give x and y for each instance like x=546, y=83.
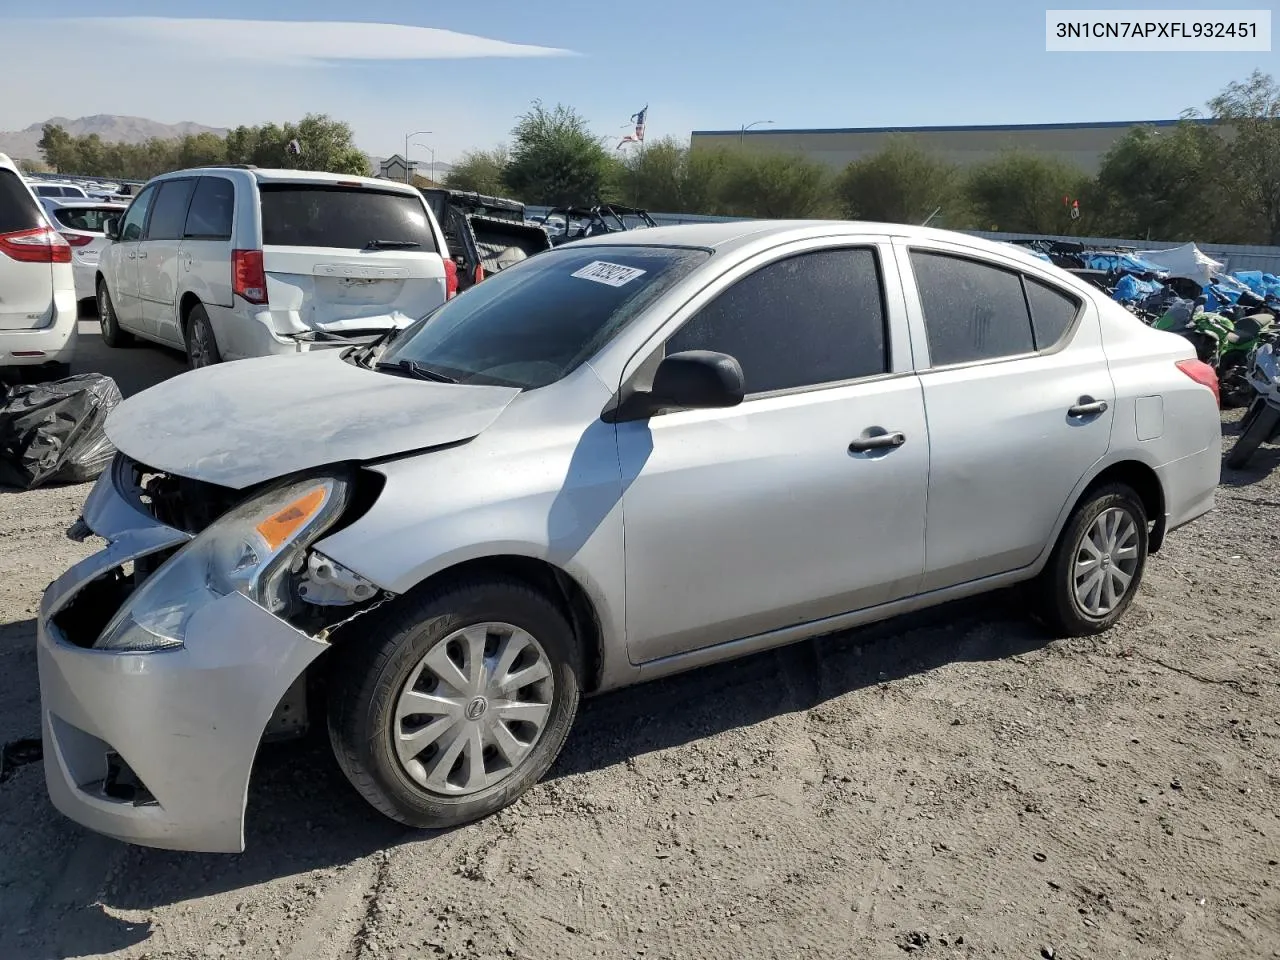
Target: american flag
x=637, y=137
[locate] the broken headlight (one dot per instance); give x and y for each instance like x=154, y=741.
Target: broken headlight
x=250, y=550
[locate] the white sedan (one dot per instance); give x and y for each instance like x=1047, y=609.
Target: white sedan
x=81, y=223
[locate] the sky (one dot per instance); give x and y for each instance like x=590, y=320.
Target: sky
x=464, y=71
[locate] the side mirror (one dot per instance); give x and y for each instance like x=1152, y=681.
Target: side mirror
x=692, y=380
x=112, y=228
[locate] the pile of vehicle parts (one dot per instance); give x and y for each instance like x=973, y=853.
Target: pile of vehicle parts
x=566, y=224
x=485, y=234
x=54, y=432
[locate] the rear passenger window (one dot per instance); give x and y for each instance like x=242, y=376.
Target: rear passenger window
x=211, y=207
x=809, y=319
x=1052, y=312
x=171, y=210
x=17, y=210
x=972, y=311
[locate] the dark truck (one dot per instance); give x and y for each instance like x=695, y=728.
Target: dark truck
x=485, y=234
x=582, y=222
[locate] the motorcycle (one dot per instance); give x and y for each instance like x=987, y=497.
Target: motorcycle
x=1236, y=353
x=1261, y=423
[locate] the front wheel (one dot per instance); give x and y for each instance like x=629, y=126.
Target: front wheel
x=108, y=322
x=1262, y=425
x=452, y=703
x=1097, y=564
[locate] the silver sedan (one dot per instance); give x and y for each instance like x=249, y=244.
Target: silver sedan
x=627, y=457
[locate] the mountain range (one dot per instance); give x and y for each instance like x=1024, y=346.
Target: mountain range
x=24, y=144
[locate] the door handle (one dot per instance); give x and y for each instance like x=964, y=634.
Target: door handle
x=142, y=256
x=881, y=442
x=1088, y=407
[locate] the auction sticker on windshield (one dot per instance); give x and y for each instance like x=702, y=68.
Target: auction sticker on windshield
x=613, y=274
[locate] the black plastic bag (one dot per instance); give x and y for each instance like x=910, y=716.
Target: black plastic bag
x=53, y=432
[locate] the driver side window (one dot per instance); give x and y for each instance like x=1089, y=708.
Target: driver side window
x=136, y=217
x=806, y=320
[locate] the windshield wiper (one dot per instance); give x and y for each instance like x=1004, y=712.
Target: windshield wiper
x=391, y=244
x=413, y=368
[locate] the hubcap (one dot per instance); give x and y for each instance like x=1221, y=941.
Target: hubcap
x=104, y=312
x=1106, y=560
x=473, y=709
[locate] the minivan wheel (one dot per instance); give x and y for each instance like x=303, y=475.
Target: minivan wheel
x=1096, y=567
x=112, y=335
x=202, y=348
x=449, y=704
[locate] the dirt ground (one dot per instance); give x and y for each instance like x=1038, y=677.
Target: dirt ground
x=952, y=785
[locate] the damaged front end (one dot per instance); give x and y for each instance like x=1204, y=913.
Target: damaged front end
x=166, y=657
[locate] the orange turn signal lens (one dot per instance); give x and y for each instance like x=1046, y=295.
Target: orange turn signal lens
x=284, y=523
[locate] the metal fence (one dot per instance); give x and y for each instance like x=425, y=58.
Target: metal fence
x=1235, y=256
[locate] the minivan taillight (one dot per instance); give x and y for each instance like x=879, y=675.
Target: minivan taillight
x=450, y=279
x=1203, y=374
x=248, y=278
x=78, y=239
x=38, y=245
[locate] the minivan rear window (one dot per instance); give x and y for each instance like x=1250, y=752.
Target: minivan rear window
x=92, y=219
x=17, y=210
x=302, y=215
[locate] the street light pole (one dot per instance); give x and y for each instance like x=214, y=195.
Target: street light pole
x=747, y=126
x=408, y=175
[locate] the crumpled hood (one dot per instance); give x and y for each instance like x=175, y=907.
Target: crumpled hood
x=241, y=423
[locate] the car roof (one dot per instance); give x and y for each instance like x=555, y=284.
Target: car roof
x=294, y=176
x=723, y=236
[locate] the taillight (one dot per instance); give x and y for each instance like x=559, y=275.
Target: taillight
x=1203, y=374
x=479, y=273
x=39, y=245
x=450, y=279
x=248, y=278
x=78, y=239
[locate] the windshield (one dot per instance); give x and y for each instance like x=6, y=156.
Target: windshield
x=536, y=322
x=333, y=215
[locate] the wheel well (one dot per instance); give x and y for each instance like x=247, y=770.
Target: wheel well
x=554, y=583
x=188, y=301
x=1142, y=480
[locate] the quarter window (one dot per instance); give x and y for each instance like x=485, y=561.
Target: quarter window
x=210, y=215
x=809, y=319
x=972, y=311
x=1052, y=312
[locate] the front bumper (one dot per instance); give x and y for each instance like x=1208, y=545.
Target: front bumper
x=185, y=722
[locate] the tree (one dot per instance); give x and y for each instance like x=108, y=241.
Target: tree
x=59, y=148
x=901, y=183
x=653, y=176
x=480, y=171
x=777, y=185
x=1164, y=185
x=1252, y=169
x=32, y=166
x=324, y=144
x=1020, y=192
x=556, y=160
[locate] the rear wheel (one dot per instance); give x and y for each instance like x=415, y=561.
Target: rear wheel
x=202, y=348
x=448, y=705
x=1261, y=426
x=112, y=335
x=1096, y=567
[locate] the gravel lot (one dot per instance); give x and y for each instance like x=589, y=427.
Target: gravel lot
x=951, y=785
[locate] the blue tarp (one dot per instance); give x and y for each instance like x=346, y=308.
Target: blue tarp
x=1130, y=289
x=1126, y=262
x=1263, y=284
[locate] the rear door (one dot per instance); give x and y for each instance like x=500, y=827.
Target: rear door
x=158, y=259
x=26, y=283
x=1019, y=400
x=344, y=256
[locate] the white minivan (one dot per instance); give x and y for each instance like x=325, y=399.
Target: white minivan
x=234, y=262
x=37, y=287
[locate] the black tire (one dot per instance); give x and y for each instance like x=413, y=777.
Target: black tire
x=197, y=333
x=1251, y=414
x=1262, y=425
x=108, y=323
x=1055, y=590
x=374, y=664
